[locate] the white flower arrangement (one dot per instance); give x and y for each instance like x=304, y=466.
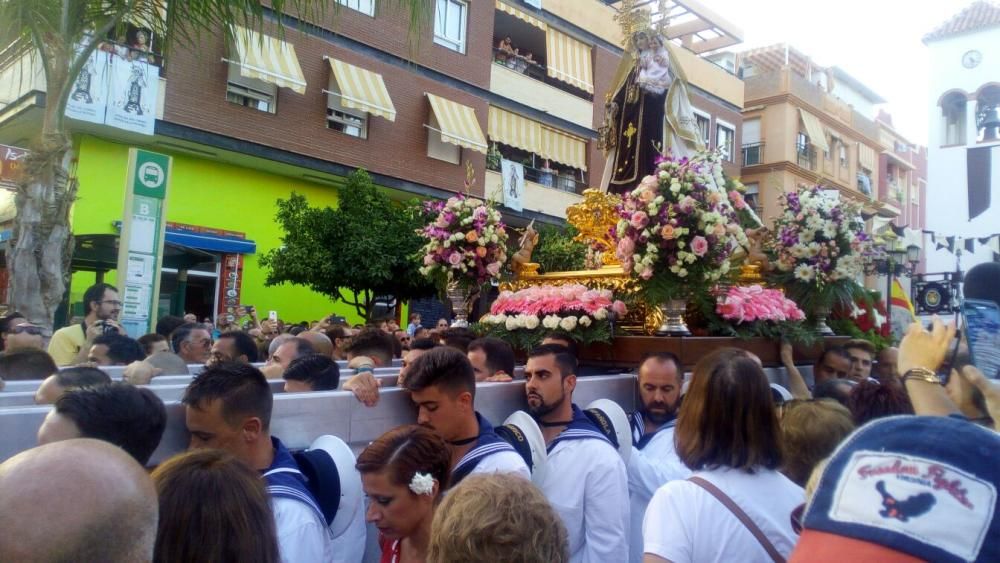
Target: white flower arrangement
x=422, y=484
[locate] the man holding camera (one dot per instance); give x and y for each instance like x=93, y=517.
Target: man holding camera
x=70, y=345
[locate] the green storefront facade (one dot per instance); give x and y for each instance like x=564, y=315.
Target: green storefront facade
x=215, y=211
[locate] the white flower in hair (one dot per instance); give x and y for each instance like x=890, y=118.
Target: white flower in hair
x=422, y=484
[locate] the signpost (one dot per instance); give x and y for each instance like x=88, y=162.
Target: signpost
x=140, y=249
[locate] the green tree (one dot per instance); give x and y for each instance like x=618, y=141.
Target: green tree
x=364, y=248
x=62, y=34
x=557, y=251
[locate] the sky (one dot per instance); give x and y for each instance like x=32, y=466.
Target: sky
x=875, y=41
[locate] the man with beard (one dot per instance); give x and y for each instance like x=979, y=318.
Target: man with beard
x=585, y=478
x=442, y=384
x=653, y=461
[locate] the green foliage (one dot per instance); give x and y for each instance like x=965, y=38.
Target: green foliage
x=557, y=251
x=847, y=327
x=365, y=247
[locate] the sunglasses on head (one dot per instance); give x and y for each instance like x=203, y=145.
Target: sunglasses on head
x=29, y=329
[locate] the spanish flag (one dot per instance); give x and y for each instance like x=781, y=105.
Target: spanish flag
x=902, y=314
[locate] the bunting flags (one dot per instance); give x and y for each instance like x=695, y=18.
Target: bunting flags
x=955, y=244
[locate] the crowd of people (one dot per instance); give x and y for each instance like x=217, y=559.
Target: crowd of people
x=873, y=459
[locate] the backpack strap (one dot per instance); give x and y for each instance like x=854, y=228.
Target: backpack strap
x=741, y=516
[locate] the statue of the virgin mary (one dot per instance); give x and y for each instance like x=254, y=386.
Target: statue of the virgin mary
x=648, y=112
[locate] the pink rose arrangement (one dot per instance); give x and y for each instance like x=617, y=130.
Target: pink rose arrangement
x=523, y=317
x=757, y=304
x=678, y=228
x=466, y=241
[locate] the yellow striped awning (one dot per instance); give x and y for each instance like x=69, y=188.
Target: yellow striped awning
x=512, y=129
x=569, y=60
x=866, y=157
x=362, y=89
x=817, y=135
x=564, y=148
x=508, y=9
x=269, y=59
x=458, y=124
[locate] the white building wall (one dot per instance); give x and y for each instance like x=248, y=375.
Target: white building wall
x=850, y=96
x=947, y=187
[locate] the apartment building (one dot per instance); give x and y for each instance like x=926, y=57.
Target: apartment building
x=800, y=129
x=273, y=113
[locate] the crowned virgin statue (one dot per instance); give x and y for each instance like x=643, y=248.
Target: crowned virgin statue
x=648, y=112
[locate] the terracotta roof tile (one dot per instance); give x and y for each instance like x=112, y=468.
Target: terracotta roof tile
x=978, y=15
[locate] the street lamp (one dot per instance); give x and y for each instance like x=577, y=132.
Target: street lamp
x=898, y=262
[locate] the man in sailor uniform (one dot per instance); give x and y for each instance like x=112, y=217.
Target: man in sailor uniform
x=228, y=407
x=653, y=460
x=442, y=384
x=584, y=478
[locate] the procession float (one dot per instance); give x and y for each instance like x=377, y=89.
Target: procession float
x=677, y=260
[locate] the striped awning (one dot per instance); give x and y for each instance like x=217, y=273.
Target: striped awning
x=866, y=157
x=362, y=89
x=564, y=148
x=817, y=135
x=508, y=9
x=457, y=124
x=512, y=129
x=569, y=60
x=265, y=58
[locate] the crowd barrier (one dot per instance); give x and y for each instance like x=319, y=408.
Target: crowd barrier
x=298, y=418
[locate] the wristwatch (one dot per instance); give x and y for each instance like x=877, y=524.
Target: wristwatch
x=922, y=374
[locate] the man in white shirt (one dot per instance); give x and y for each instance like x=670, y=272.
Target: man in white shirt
x=653, y=461
x=442, y=384
x=228, y=407
x=585, y=478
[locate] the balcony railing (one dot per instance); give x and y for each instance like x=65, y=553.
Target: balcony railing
x=534, y=70
x=550, y=179
x=806, y=156
x=753, y=153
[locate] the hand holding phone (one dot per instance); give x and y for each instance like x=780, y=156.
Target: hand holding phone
x=273, y=315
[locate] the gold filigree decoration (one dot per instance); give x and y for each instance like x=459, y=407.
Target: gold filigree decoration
x=594, y=217
x=632, y=19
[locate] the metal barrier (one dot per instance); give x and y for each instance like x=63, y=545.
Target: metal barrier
x=298, y=418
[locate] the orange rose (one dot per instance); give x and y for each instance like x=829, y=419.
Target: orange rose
x=481, y=251
x=471, y=236
x=668, y=232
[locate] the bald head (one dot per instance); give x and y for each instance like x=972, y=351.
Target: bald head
x=320, y=342
x=95, y=503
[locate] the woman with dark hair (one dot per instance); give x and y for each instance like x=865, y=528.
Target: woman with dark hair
x=870, y=400
x=736, y=506
x=213, y=508
x=403, y=473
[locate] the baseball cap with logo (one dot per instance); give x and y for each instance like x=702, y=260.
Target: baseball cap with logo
x=907, y=488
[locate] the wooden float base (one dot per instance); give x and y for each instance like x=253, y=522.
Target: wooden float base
x=627, y=351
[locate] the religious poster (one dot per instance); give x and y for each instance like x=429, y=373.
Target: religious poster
x=11, y=165
x=88, y=98
x=135, y=87
x=513, y=184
